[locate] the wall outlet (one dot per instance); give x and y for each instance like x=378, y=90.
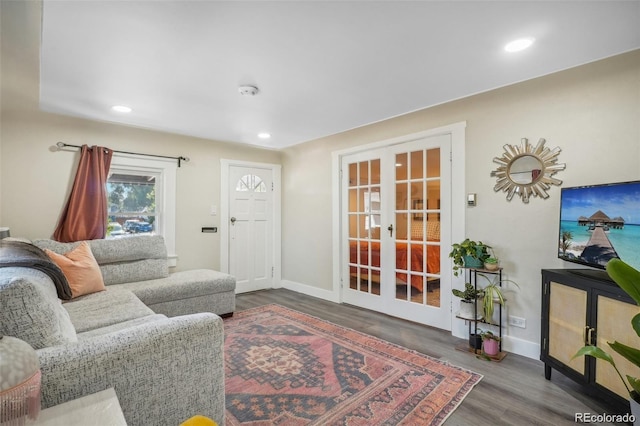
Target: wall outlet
x=517, y=322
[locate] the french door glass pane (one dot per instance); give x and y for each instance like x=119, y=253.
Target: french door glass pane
x=402, y=200
x=417, y=237
x=416, y=165
x=433, y=163
x=365, y=199
x=401, y=166
x=375, y=172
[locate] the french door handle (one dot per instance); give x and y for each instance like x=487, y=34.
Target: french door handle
x=390, y=229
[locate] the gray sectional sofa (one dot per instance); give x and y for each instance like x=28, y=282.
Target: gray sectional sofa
x=152, y=336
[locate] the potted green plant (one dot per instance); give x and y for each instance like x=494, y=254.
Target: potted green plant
x=490, y=343
x=469, y=254
x=628, y=279
x=491, y=264
x=468, y=299
x=492, y=293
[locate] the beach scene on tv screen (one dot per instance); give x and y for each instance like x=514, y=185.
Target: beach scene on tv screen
x=599, y=223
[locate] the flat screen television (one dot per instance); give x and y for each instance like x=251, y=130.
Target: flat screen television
x=600, y=222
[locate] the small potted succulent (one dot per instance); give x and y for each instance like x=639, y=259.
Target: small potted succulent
x=468, y=254
x=491, y=264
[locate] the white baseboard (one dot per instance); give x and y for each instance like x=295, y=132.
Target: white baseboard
x=310, y=290
x=521, y=347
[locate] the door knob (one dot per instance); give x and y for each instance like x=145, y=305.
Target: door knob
x=233, y=220
x=390, y=229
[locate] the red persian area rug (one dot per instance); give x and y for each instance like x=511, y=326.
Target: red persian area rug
x=283, y=367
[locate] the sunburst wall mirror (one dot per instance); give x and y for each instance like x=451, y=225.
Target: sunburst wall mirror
x=526, y=170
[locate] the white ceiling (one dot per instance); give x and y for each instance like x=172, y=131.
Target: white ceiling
x=321, y=67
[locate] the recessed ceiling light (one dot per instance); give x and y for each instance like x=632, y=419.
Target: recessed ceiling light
x=519, y=44
x=264, y=135
x=121, y=108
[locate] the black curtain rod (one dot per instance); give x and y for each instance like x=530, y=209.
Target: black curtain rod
x=180, y=159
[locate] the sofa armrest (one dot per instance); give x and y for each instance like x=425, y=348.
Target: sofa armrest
x=163, y=372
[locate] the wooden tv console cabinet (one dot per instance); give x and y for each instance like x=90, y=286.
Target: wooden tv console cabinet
x=581, y=307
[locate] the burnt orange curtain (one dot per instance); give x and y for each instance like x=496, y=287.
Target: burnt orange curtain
x=85, y=215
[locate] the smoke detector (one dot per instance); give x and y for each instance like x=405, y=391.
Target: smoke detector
x=248, y=90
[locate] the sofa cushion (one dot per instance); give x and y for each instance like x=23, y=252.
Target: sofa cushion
x=80, y=268
x=125, y=325
x=30, y=309
x=129, y=248
x=105, y=308
x=148, y=269
x=121, y=260
x=182, y=285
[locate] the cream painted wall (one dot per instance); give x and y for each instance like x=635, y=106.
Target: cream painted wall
x=592, y=112
x=35, y=181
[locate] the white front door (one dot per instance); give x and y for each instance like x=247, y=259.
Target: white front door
x=396, y=230
x=250, y=227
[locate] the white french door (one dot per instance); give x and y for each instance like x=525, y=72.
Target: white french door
x=396, y=230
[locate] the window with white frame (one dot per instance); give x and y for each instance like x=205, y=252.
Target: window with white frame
x=141, y=198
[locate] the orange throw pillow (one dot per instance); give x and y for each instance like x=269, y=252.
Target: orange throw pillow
x=80, y=268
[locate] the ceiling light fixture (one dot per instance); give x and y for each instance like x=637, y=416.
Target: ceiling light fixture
x=519, y=44
x=121, y=108
x=248, y=90
x=264, y=135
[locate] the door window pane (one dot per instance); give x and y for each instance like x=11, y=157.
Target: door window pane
x=402, y=198
x=375, y=172
x=353, y=174
x=416, y=165
x=251, y=183
x=364, y=173
x=433, y=163
x=401, y=166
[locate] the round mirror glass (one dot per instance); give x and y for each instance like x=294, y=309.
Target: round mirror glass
x=525, y=169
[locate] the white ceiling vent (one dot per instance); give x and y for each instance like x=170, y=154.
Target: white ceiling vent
x=248, y=90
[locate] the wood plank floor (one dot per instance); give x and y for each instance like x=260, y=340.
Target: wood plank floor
x=512, y=392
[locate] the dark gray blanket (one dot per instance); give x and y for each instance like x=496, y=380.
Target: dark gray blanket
x=17, y=253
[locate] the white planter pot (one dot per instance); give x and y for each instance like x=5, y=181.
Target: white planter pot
x=467, y=310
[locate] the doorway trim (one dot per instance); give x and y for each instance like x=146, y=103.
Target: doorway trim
x=276, y=170
x=458, y=203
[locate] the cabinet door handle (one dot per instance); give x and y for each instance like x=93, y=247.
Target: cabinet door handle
x=584, y=335
x=590, y=336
